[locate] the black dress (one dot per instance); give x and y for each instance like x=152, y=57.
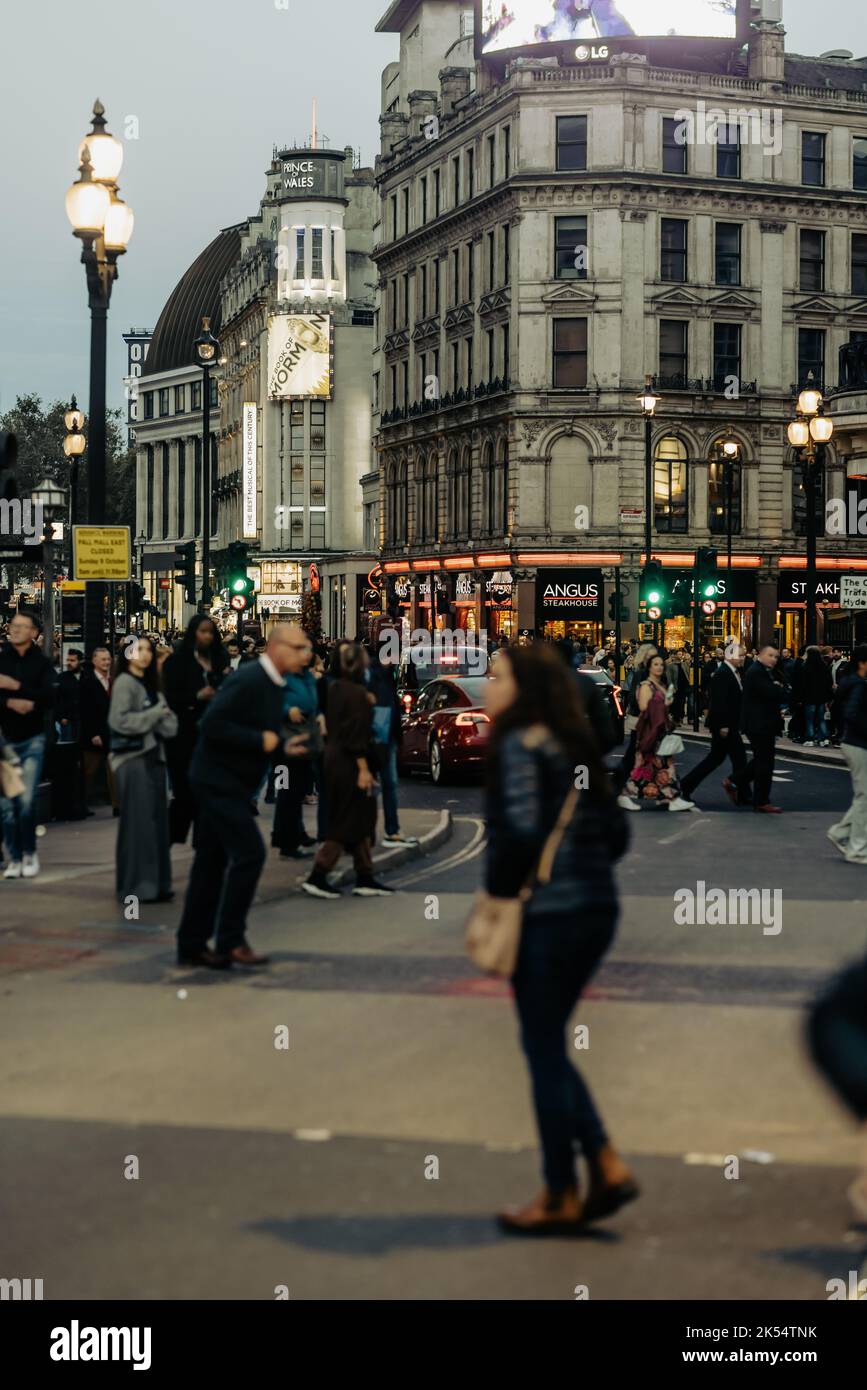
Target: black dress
x=351, y=813
x=183, y=678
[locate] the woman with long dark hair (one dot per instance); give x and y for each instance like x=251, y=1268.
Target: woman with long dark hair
x=541, y=751
x=139, y=723
x=191, y=677
x=349, y=783
x=653, y=780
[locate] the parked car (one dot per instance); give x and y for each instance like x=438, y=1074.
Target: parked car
x=613, y=695
x=445, y=731
x=413, y=675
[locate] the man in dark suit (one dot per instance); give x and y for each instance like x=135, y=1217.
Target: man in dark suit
x=94, y=699
x=725, y=695
x=237, y=735
x=764, y=698
x=67, y=782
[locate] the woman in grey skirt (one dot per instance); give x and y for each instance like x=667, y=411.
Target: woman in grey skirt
x=139, y=722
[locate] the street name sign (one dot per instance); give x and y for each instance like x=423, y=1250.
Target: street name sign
x=853, y=591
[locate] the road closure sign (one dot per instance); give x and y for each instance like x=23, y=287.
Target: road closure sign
x=853, y=591
x=102, y=553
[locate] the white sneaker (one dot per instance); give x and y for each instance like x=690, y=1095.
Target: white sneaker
x=13, y=869
x=809, y=743
x=837, y=841
x=678, y=804
x=30, y=866
x=627, y=803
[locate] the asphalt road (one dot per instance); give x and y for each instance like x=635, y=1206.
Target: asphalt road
x=310, y=1166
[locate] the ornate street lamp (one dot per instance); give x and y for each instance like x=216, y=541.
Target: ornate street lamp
x=206, y=351
x=648, y=401
x=727, y=451
x=810, y=430
x=103, y=223
x=52, y=500
x=74, y=445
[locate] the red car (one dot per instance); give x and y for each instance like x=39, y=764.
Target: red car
x=446, y=731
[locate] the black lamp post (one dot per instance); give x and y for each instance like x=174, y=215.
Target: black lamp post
x=727, y=451
x=648, y=400
x=103, y=222
x=810, y=429
x=207, y=355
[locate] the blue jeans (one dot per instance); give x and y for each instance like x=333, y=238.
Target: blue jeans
x=814, y=717
x=19, y=813
x=557, y=957
x=388, y=783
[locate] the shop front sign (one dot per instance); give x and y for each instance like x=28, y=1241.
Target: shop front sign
x=570, y=594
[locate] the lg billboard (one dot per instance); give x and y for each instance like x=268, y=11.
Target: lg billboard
x=509, y=24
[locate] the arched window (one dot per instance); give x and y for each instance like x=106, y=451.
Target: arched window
x=463, y=492
x=722, y=472
x=570, y=483
x=400, y=503
x=488, y=501
x=430, y=497
x=671, y=486
x=799, y=495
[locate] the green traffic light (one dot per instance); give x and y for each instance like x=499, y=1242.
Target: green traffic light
x=239, y=586
x=653, y=597
x=710, y=590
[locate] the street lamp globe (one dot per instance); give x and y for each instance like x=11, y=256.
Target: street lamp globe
x=106, y=152
x=809, y=400
x=730, y=446
x=118, y=225
x=799, y=434
x=648, y=400
x=821, y=429
x=49, y=496
x=87, y=202
x=74, y=418
x=206, y=347
x=74, y=445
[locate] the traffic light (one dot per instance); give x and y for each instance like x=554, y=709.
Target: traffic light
x=241, y=587
x=680, y=603
x=136, y=598
x=185, y=561
x=654, y=587
x=612, y=608
x=706, y=570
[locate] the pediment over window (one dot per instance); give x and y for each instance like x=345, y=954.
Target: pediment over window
x=732, y=300
x=570, y=296
x=816, y=304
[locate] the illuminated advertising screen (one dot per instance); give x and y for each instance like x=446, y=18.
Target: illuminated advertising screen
x=506, y=24
x=299, y=356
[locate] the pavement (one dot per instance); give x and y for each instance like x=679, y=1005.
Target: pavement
x=344, y=1124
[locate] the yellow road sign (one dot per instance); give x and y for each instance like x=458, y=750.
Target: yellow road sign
x=102, y=553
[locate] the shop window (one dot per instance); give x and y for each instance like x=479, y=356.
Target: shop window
x=670, y=487
x=719, y=471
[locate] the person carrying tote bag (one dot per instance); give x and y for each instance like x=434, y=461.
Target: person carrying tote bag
x=139, y=723
x=550, y=889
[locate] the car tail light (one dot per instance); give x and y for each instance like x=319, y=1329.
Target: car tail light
x=618, y=691
x=465, y=719
x=407, y=700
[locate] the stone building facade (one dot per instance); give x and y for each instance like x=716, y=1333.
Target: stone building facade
x=554, y=229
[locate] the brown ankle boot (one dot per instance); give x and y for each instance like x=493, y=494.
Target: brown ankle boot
x=546, y=1215
x=611, y=1184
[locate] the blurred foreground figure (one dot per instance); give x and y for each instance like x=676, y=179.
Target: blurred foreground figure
x=554, y=846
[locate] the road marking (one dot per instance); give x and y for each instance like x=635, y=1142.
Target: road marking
x=670, y=839
x=470, y=851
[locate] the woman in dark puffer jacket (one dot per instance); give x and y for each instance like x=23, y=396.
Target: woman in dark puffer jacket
x=541, y=748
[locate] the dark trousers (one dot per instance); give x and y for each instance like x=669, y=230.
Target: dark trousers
x=620, y=776
x=759, y=770
x=230, y=853
x=720, y=748
x=557, y=957
x=837, y=1032
x=288, y=830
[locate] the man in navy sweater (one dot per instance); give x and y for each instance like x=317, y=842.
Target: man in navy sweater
x=237, y=735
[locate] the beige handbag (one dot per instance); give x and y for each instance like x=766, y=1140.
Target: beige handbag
x=11, y=781
x=492, y=934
